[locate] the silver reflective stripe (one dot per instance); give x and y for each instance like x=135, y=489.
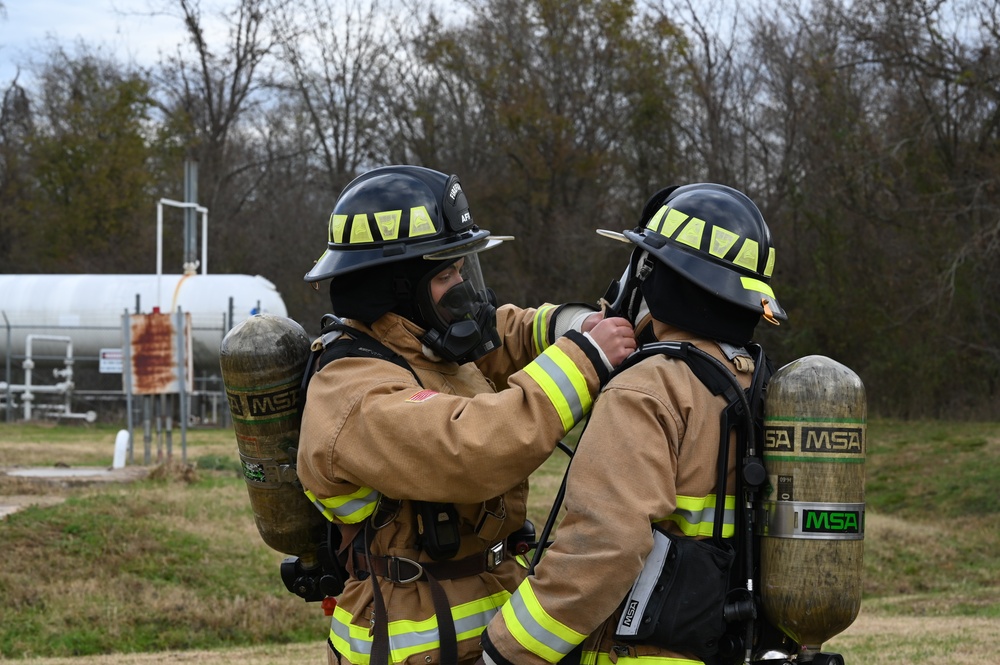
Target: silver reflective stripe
x=354, y=505
x=642, y=589
x=706, y=516
x=413, y=640
x=343, y=631
x=536, y=630
x=564, y=384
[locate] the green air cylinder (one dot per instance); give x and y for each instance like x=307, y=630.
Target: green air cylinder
x=812, y=528
x=263, y=360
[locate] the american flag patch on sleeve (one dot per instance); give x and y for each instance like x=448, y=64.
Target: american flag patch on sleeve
x=421, y=396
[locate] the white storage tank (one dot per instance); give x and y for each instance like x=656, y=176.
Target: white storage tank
x=89, y=308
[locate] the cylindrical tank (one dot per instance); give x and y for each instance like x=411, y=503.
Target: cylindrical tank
x=89, y=308
x=263, y=360
x=813, y=523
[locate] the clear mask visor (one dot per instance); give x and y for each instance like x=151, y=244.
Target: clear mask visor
x=459, y=290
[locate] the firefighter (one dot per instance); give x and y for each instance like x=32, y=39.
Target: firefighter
x=646, y=464
x=426, y=414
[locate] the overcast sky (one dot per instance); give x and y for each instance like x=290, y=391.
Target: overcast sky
x=123, y=28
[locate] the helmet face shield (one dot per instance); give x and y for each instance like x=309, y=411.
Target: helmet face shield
x=459, y=310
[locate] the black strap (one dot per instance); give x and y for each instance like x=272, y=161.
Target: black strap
x=447, y=635
x=380, y=623
x=357, y=344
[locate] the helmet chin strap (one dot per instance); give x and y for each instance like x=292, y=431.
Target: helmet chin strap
x=624, y=297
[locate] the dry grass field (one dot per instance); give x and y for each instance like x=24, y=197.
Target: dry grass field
x=932, y=584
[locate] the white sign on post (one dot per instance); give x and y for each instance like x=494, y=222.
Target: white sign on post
x=111, y=361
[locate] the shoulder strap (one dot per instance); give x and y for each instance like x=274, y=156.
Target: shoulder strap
x=720, y=381
x=709, y=371
x=333, y=345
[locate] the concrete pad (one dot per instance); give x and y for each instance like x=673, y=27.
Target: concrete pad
x=60, y=478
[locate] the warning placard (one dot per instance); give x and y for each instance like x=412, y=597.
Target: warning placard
x=111, y=361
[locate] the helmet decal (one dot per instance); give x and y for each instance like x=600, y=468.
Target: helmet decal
x=421, y=223
x=692, y=233
x=722, y=241
x=360, y=230
x=388, y=223
x=747, y=257
x=337, y=224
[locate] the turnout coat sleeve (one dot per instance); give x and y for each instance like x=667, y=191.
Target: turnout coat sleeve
x=649, y=439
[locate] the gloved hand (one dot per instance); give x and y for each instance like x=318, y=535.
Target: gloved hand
x=615, y=338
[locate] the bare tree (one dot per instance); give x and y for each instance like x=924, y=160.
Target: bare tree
x=336, y=57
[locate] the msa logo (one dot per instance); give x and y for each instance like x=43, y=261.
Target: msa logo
x=630, y=613
x=277, y=403
x=831, y=521
x=779, y=439
x=832, y=440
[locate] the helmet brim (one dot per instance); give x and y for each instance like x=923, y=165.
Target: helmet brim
x=465, y=250
x=342, y=261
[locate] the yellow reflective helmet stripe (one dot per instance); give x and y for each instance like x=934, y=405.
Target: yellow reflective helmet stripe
x=751, y=284
x=534, y=629
x=604, y=658
x=540, y=327
x=347, y=508
x=692, y=233
x=361, y=232
x=421, y=223
x=769, y=268
x=722, y=241
x=388, y=223
x=696, y=515
x=563, y=383
x=749, y=253
x=407, y=638
x=655, y=222
x=666, y=220
x=337, y=224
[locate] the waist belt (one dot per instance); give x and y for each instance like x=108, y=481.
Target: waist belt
x=402, y=570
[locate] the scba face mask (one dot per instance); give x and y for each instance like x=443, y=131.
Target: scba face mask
x=462, y=322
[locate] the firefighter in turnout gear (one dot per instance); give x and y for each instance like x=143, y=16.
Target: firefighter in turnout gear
x=643, y=484
x=426, y=410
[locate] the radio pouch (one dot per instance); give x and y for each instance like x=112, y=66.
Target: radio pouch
x=437, y=525
x=677, y=601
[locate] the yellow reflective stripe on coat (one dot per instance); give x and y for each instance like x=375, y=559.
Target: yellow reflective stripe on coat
x=540, y=327
x=594, y=658
x=534, y=629
x=563, y=383
x=696, y=515
x=347, y=508
x=411, y=637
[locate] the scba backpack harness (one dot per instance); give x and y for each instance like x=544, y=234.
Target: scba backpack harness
x=691, y=595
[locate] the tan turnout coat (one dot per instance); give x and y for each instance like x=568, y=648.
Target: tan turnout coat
x=653, y=436
x=369, y=426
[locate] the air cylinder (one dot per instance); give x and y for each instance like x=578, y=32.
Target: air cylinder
x=812, y=529
x=263, y=360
